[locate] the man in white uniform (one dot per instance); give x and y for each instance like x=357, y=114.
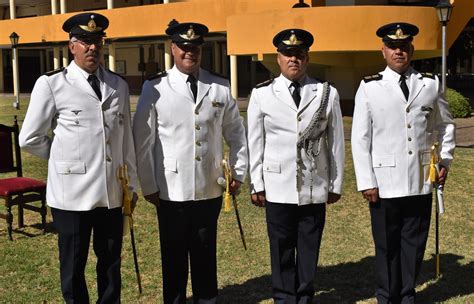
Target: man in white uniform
x=181, y=117
x=296, y=153
x=87, y=109
x=399, y=114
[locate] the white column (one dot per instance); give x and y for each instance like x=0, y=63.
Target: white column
x=234, y=76
x=54, y=7
x=112, y=56
x=56, y=62
x=110, y=4
x=63, y=6
x=12, y=9
x=217, y=57
x=168, y=61
x=65, y=56
x=16, y=81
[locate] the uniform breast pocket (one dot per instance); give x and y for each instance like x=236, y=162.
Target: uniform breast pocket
x=271, y=167
x=170, y=164
x=217, y=108
x=383, y=161
x=383, y=168
x=70, y=167
x=425, y=158
x=113, y=118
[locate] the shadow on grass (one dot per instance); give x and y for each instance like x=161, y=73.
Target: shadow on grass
x=26, y=231
x=355, y=281
x=455, y=280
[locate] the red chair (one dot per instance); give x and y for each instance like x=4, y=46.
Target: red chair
x=20, y=191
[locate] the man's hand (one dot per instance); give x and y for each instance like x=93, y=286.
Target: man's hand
x=153, y=198
x=134, y=201
x=234, y=186
x=442, y=175
x=258, y=199
x=333, y=197
x=372, y=195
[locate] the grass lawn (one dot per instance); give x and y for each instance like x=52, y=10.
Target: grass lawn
x=29, y=265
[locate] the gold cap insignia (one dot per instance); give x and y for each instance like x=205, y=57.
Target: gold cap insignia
x=91, y=26
x=293, y=40
x=398, y=35
x=190, y=34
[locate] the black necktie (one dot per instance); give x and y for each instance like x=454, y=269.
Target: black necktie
x=296, y=93
x=95, y=84
x=404, y=86
x=192, y=83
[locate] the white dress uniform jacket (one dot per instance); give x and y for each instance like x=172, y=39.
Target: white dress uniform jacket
x=392, y=137
x=274, y=124
x=179, y=142
x=91, y=138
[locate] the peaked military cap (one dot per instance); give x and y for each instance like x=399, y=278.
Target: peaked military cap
x=397, y=32
x=187, y=33
x=86, y=24
x=293, y=39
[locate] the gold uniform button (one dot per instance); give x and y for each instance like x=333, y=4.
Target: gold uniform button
x=198, y=143
x=196, y=112
x=108, y=158
x=299, y=118
x=409, y=138
x=409, y=126
x=198, y=158
x=198, y=127
x=408, y=110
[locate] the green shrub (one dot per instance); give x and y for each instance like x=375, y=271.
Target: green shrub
x=459, y=105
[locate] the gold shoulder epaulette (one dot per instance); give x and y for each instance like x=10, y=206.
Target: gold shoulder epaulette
x=373, y=77
x=264, y=84
x=51, y=73
x=158, y=75
x=428, y=75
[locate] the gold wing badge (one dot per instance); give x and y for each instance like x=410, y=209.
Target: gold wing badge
x=293, y=40
x=91, y=26
x=190, y=34
x=398, y=35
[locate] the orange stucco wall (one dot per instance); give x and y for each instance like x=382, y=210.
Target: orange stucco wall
x=139, y=21
x=250, y=25
x=340, y=28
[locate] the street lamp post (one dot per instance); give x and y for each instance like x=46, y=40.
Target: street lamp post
x=16, y=83
x=444, y=9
